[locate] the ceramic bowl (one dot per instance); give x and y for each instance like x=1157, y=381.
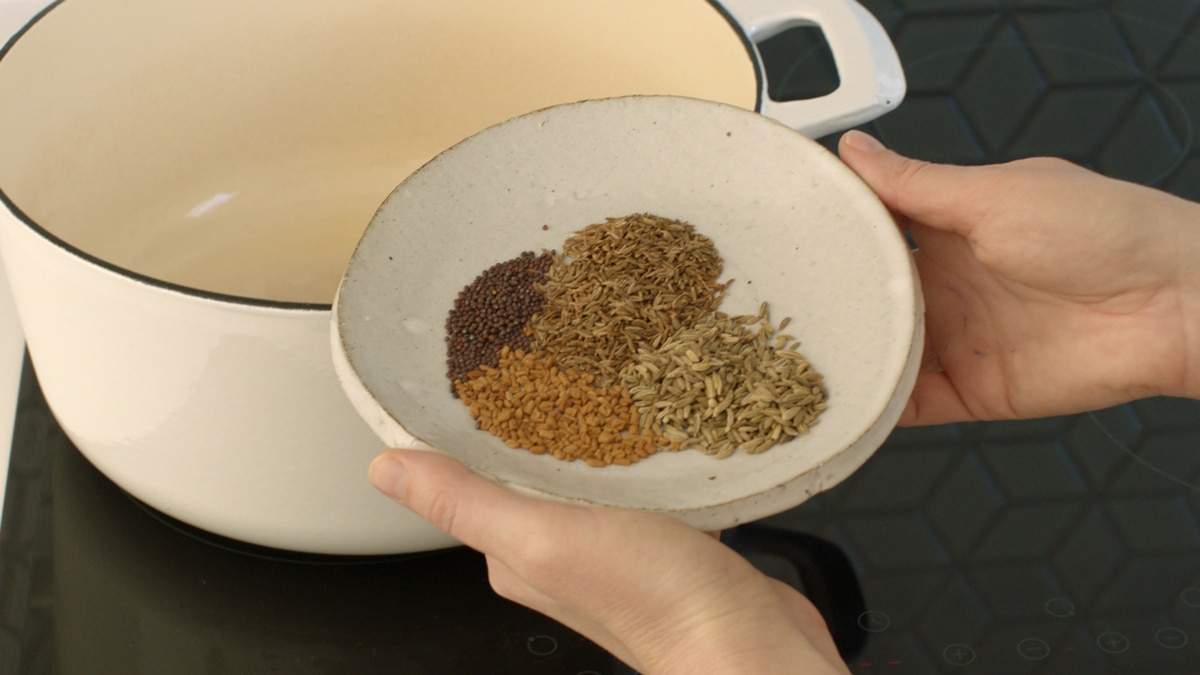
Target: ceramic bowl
x=795, y=227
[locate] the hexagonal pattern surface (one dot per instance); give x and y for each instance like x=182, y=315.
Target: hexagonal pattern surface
x=1052, y=535
x=1069, y=545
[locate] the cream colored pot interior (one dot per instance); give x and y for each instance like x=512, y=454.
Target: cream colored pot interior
x=242, y=147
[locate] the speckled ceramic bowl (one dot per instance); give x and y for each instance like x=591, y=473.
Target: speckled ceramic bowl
x=796, y=229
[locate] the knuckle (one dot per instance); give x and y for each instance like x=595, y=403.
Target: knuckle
x=544, y=556
x=1046, y=164
x=440, y=508
x=505, y=584
x=913, y=172
x=539, y=557
x=912, y=179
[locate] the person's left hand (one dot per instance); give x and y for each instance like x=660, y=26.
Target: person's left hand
x=659, y=595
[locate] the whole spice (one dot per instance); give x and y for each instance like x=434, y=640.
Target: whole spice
x=614, y=350
x=723, y=384
x=621, y=283
x=529, y=402
x=494, y=311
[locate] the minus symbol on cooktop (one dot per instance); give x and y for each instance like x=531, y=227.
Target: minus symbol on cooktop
x=1171, y=638
x=874, y=621
x=1033, y=649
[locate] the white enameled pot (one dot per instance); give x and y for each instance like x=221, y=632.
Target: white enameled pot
x=185, y=182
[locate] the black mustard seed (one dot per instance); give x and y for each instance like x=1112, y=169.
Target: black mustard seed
x=492, y=312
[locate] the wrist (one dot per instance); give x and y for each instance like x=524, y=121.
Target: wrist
x=772, y=629
x=1182, y=377
x=1189, y=306
x=783, y=652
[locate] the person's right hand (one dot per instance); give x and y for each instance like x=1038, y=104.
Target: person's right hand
x=1049, y=289
x=664, y=598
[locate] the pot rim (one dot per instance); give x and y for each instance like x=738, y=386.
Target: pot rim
x=250, y=301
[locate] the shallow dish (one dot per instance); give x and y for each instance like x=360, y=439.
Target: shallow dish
x=796, y=229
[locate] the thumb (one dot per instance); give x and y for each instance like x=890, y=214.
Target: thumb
x=468, y=507
x=942, y=196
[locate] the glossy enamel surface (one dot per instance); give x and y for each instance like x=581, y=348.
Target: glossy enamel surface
x=184, y=183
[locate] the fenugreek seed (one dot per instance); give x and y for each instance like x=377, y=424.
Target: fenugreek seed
x=589, y=425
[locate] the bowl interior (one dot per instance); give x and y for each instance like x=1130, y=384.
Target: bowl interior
x=795, y=227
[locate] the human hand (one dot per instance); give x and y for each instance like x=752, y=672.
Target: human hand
x=1049, y=289
x=659, y=595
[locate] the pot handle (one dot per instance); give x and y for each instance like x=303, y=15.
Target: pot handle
x=871, y=77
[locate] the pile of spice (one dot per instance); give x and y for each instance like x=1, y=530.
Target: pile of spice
x=614, y=350
x=494, y=312
x=530, y=403
x=623, y=283
x=723, y=384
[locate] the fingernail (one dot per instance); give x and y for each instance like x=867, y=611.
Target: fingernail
x=861, y=141
x=388, y=476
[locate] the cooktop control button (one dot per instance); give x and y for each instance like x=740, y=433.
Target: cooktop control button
x=1171, y=638
x=1112, y=643
x=958, y=655
x=1060, y=608
x=541, y=645
x=874, y=621
x=1033, y=649
x=1190, y=597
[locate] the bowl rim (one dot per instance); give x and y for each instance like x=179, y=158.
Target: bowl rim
x=713, y=514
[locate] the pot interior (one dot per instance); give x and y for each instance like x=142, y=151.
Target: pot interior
x=241, y=147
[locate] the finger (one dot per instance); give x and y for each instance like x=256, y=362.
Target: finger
x=931, y=361
x=482, y=515
x=934, y=400
x=943, y=196
x=470, y=508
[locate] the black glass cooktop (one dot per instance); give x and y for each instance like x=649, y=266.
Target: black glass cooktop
x=1065, y=545
x=96, y=582
x=93, y=582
